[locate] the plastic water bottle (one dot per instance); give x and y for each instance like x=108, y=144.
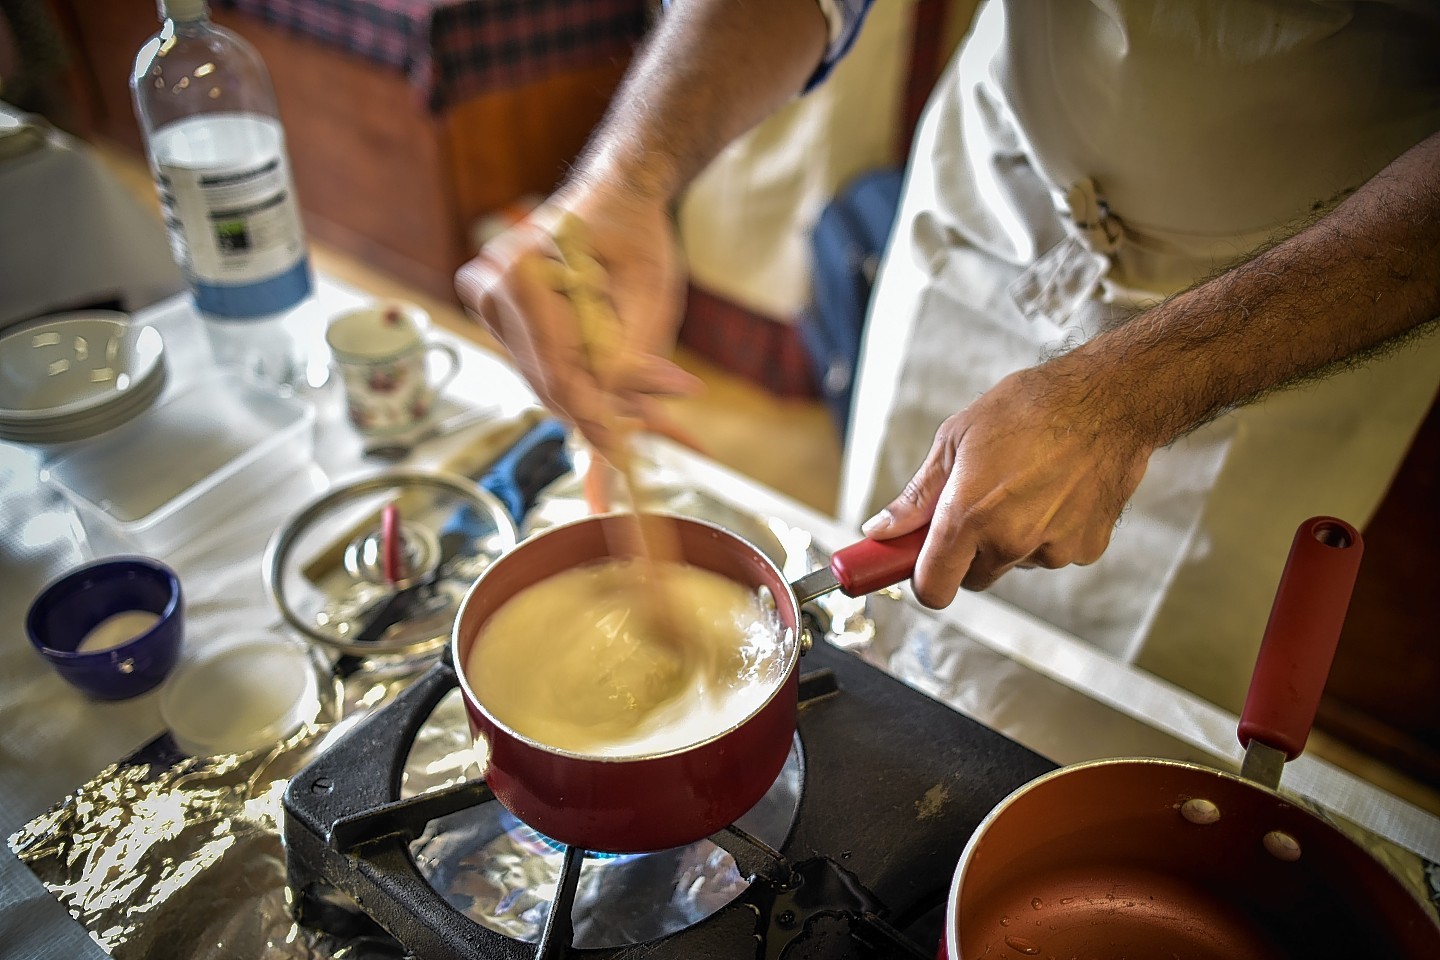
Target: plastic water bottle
x=217, y=150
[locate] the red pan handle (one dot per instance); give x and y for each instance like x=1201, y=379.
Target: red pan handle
x=1301, y=636
x=870, y=565
x=390, y=543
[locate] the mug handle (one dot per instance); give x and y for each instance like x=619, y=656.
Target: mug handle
x=452, y=355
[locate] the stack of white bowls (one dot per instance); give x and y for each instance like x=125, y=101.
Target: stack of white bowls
x=74, y=375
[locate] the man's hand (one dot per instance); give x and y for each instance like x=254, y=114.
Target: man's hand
x=1027, y=475
x=1036, y=471
x=709, y=71
x=511, y=288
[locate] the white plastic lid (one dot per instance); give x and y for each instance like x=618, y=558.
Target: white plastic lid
x=241, y=697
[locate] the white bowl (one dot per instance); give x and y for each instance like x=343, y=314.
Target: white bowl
x=82, y=426
x=74, y=364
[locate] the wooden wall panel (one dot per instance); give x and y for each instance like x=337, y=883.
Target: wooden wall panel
x=104, y=36
x=1383, y=696
x=510, y=143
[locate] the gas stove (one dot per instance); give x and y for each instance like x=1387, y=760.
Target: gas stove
x=853, y=859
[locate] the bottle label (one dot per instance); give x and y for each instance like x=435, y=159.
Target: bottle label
x=235, y=230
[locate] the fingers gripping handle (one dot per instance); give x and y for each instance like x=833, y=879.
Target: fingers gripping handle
x=874, y=564
x=1302, y=634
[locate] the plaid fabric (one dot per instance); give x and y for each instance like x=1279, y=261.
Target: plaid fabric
x=758, y=348
x=454, y=49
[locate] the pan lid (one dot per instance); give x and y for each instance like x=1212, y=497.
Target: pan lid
x=378, y=566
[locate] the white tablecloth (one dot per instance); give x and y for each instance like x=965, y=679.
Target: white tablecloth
x=52, y=739
x=1050, y=692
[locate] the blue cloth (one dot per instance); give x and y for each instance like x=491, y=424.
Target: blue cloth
x=852, y=17
x=535, y=461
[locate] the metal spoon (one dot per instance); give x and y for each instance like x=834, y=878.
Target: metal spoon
x=394, y=608
x=395, y=449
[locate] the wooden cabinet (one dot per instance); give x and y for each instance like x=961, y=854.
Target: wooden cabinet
x=1383, y=696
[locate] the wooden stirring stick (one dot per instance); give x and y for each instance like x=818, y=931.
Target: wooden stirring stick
x=584, y=281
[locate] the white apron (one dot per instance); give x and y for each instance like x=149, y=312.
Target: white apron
x=1205, y=127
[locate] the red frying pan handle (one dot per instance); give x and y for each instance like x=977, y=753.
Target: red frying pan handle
x=870, y=565
x=1302, y=634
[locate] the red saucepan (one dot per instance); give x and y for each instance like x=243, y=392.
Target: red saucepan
x=1155, y=858
x=653, y=802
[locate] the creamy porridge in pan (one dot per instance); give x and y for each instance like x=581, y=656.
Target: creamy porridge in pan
x=580, y=662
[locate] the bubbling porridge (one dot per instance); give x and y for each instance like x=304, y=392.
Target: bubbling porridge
x=575, y=662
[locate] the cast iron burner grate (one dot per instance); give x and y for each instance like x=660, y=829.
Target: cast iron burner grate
x=894, y=784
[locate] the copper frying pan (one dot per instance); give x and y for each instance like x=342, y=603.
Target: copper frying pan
x=1157, y=858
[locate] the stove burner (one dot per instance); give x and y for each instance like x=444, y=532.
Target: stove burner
x=503, y=873
x=893, y=785
x=529, y=840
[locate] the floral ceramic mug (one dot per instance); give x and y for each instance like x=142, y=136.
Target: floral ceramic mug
x=383, y=358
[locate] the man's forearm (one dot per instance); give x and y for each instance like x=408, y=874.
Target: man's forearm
x=1360, y=278
x=711, y=70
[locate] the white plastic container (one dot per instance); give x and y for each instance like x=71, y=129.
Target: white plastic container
x=240, y=696
x=202, y=454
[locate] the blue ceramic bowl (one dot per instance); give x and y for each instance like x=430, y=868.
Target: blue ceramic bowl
x=68, y=610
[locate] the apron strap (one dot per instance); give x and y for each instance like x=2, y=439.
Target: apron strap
x=1069, y=272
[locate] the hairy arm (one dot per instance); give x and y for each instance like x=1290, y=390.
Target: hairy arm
x=711, y=70
x=1036, y=471
x=1353, y=283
